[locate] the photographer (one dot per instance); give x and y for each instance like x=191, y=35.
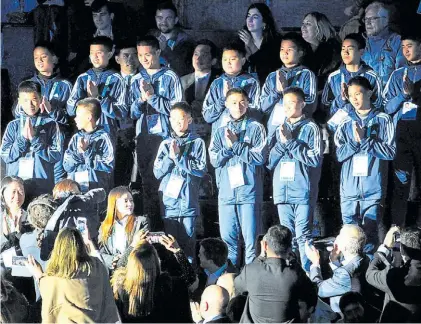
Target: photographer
x=402, y=285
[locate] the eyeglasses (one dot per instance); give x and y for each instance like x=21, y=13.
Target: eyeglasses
x=369, y=20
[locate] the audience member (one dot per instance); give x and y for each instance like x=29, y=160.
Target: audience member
x=296, y=158
x=235, y=308
x=74, y=286
x=347, y=262
x=104, y=18
x=212, y=308
x=402, y=97
x=292, y=73
x=383, y=49
x=261, y=40
x=402, y=286
x=153, y=91
x=275, y=284
x=354, y=309
x=14, y=306
x=176, y=46
x=365, y=142
x=238, y=152
x=120, y=225
x=145, y=294
x=32, y=143
x=180, y=164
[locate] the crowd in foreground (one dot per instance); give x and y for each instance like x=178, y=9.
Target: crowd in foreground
x=301, y=116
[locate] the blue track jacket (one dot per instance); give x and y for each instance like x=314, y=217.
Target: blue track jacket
x=214, y=111
x=98, y=159
x=249, y=151
x=190, y=165
x=384, y=54
x=46, y=148
x=111, y=89
x=332, y=97
x=167, y=91
x=378, y=144
x=298, y=76
x=305, y=151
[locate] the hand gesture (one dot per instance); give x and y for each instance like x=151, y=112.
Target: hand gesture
x=284, y=133
x=312, y=253
x=82, y=146
x=170, y=243
x=174, y=150
x=92, y=89
x=335, y=253
x=28, y=130
x=389, y=240
x=408, y=85
x=226, y=88
x=246, y=37
x=34, y=267
x=358, y=132
x=45, y=105
x=146, y=90
x=195, y=312
x=114, y=263
x=281, y=82
x=230, y=137
x=139, y=236
x=344, y=91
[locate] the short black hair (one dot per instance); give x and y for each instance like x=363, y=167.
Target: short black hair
x=360, y=81
x=182, y=105
x=97, y=5
x=297, y=91
x=279, y=239
x=299, y=41
x=357, y=38
x=235, y=46
x=351, y=297
x=124, y=44
x=29, y=86
x=167, y=5
x=148, y=41
x=104, y=41
x=239, y=91
x=91, y=104
x=213, y=48
x=48, y=46
x=412, y=35
x=216, y=250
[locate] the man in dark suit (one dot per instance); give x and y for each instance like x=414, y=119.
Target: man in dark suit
x=347, y=262
x=402, y=286
x=275, y=283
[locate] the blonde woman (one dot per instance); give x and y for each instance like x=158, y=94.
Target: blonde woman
x=75, y=286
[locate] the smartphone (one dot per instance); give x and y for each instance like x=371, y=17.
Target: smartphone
x=153, y=237
x=19, y=261
x=81, y=224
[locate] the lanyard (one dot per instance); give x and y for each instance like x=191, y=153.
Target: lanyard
x=107, y=83
x=53, y=90
x=187, y=147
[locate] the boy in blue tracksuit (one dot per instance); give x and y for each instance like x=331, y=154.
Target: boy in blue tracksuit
x=334, y=95
x=180, y=165
x=365, y=141
x=32, y=143
x=402, y=100
x=101, y=83
x=238, y=151
x=295, y=158
x=89, y=159
x=214, y=110
x=292, y=73
x=152, y=93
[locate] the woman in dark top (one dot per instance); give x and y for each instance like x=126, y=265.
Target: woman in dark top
x=261, y=40
x=145, y=294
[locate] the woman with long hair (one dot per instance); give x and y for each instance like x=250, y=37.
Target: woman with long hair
x=261, y=40
x=145, y=294
x=119, y=226
x=75, y=285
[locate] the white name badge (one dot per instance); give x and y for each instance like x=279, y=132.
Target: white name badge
x=278, y=116
x=409, y=111
x=82, y=178
x=360, y=165
x=154, y=124
x=337, y=118
x=174, y=186
x=235, y=175
x=287, y=171
x=26, y=168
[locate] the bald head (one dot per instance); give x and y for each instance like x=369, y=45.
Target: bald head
x=227, y=281
x=214, y=301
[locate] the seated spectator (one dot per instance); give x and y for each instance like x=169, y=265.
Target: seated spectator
x=275, y=284
x=261, y=41
x=75, y=286
x=354, y=309
x=104, y=20
x=176, y=46
x=402, y=286
x=213, y=305
x=347, y=262
x=120, y=225
x=227, y=281
x=307, y=306
x=143, y=293
x=14, y=306
x=235, y=308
